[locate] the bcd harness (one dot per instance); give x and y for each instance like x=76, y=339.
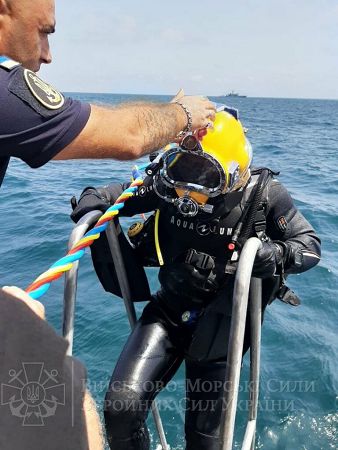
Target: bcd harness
x=253, y=219
x=145, y=240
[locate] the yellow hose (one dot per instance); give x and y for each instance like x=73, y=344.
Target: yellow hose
x=157, y=242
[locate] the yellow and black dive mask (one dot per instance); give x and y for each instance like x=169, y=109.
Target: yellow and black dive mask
x=193, y=171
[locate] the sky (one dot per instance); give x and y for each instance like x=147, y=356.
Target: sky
x=260, y=48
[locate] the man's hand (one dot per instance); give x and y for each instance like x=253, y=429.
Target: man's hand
x=34, y=305
x=268, y=258
x=89, y=200
x=178, y=96
x=201, y=109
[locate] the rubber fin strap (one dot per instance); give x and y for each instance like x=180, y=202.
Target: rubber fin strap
x=157, y=241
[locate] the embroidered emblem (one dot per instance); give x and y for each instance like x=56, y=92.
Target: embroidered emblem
x=282, y=223
x=43, y=92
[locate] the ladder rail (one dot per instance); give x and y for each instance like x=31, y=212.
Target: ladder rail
x=70, y=291
x=235, y=348
x=239, y=312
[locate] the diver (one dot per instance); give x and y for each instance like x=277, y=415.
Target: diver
x=208, y=201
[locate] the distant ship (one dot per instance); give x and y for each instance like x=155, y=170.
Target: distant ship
x=235, y=94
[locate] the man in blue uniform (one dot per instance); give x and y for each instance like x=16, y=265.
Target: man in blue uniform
x=37, y=123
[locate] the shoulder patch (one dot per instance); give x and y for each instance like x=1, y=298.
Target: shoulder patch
x=43, y=92
x=7, y=63
x=282, y=223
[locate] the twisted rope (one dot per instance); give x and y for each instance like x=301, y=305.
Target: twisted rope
x=41, y=284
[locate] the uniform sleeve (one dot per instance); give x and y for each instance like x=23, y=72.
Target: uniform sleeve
x=286, y=224
x=32, y=127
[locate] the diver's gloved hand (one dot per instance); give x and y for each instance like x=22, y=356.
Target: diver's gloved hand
x=268, y=261
x=90, y=200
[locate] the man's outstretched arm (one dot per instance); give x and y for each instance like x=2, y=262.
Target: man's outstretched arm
x=132, y=130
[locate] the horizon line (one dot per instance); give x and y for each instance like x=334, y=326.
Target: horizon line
x=209, y=96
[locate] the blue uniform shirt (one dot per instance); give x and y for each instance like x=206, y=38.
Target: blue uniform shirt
x=36, y=121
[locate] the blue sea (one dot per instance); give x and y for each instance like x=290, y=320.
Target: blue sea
x=299, y=376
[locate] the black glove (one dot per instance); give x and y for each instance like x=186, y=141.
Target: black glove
x=268, y=261
x=90, y=200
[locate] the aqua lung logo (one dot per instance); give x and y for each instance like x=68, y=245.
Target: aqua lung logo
x=43, y=92
x=33, y=393
x=203, y=229
x=144, y=190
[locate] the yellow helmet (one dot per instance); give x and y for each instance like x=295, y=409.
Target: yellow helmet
x=190, y=173
x=226, y=142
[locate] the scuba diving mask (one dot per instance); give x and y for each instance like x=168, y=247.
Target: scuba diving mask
x=189, y=166
x=189, y=173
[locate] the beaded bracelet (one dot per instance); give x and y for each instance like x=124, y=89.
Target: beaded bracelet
x=188, y=127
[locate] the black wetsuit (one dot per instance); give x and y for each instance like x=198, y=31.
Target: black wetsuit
x=161, y=340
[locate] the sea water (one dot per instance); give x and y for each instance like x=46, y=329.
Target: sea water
x=299, y=374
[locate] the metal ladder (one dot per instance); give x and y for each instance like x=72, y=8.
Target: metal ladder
x=243, y=284
x=70, y=290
